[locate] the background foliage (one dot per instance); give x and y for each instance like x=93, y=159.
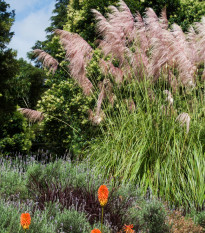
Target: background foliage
x=14, y=135
x=66, y=125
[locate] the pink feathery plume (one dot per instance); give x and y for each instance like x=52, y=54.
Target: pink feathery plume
x=163, y=18
x=117, y=49
x=107, y=67
x=104, y=28
x=139, y=64
x=172, y=81
x=117, y=73
x=113, y=38
x=139, y=60
x=169, y=97
x=153, y=25
x=79, y=53
x=122, y=18
x=152, y=21
x=113, y=30
x=169, y=49
x=131, y=105
x=97, y=117
x=48, y=61
x=101, y=98
x=191, y=34
x=200, y=28
x=141, y=33
x=75, y=43
x=186, y=50
x=184, y=118
x=151, y=16
x=32, y=115
x=181, y=38
x=191, y=38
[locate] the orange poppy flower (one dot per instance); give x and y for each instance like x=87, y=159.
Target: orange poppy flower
x=103, y=195
x=128, y=228
x=25, y=220
x=95, y=231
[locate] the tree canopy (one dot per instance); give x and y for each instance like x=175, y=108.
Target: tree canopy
x=14, y=134
x=8, y=63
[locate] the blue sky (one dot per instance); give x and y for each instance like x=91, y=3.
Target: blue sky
x=31, y=20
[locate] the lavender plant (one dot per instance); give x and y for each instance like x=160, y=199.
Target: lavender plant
x=63, y=197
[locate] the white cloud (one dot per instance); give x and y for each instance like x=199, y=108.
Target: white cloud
x=30, y=29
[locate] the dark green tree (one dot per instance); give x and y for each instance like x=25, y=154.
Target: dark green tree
x=8, y=63
x=59, y=19
x=28, y=85
x=14, y=135
x=6, y=21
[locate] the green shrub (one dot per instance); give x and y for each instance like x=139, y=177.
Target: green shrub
x=41, y=223
x=15, y=136
x=188, y=12
x=152, y=218
x=50, y=219
x=11, y=181
x=50, y=172
x=200, y=219
x=46, y=221
x=9, y=219
x=66, y=125
x=73, y=222
x=64, y=173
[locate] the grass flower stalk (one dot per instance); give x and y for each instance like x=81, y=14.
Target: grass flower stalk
x=103, y=193
x=102, y=218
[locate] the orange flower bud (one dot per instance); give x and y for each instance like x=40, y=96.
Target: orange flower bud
x=25, y=220
x=103, y=195
x=95, y=231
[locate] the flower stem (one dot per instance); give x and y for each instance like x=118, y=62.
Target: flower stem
x=102, y=219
